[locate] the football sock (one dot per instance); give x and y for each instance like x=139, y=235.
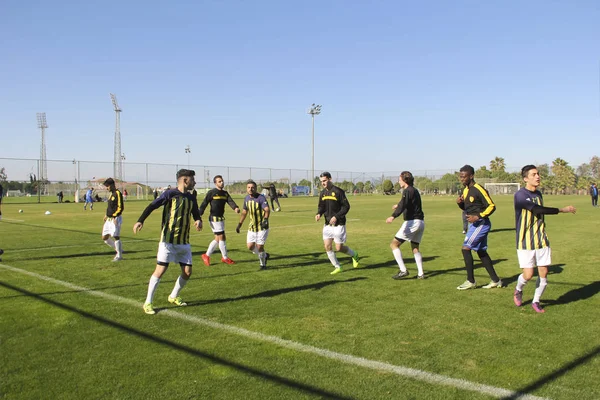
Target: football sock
x=111, y=243
x=211, y=247
x=487, y=264
x=540, y=286
x=398, y=256
x=333, y=259
x=154, y=281
x=223, y=248
x=255, y=250
x=262, y=256
x=179, y=284
x=469, y=265
x=419, y=262
x=119, y=247
x=520, y=283
x=349, y=251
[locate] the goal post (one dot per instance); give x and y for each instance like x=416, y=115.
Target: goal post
x=502, y=188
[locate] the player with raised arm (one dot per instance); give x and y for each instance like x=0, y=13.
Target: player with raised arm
x=478, y=204
x=217, y=198
x=413, y=226
x=256, y=205
x=273, y=196
x=178, y=207
x=533, y=246
x=111, y=231
x=334, y=205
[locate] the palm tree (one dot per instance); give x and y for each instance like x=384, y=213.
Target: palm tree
x=497, y=164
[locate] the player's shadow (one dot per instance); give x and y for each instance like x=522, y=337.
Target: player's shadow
x=276, y=292
x=502, y=230
x=552, y=270
x=98, y=253
x=391, y=263
x=582, y=293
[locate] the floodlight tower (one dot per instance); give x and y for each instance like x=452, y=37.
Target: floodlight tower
x=43, y=172
x=118, y=166
x=315, y=109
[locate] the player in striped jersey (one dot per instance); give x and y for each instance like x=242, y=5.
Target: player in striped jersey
x=174, y=246
x=256, y=205
x=533, y=246
x=217, y=198
x=478, y=204
x=111, y=231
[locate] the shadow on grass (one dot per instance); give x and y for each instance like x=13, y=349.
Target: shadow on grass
x=276, y=292
x=502, y=230
x=407, y=260
x=554, y=375
x=110, y=253
x=571, y=296
x=301, y=387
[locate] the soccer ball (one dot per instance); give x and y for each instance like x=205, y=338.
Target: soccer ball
x=48, y=213
x=20, y=211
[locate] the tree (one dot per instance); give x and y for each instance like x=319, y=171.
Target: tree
x=584, y=170
x=368, y=187
x=360, y=186
x=388, y=186
x=595, y=167
x=564, y=175
x=304, y=182
x=483, y=172
x=497, y=165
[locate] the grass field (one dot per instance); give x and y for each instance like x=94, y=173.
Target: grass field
x=72, y=325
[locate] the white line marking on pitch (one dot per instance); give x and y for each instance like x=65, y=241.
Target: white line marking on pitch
x=289, y=344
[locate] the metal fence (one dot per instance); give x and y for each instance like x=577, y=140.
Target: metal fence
x=69, y=176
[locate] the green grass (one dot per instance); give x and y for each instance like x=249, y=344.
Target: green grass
x=65, y=342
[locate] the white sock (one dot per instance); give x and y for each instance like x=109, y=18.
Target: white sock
x=419, y=262
x=540, y=286
x=254, y=250
x=333, y=259
x=152, y=285
x=223, y=248
x=262, y=256
x=398, y=256
x=350, y=252
x=211, y=247
x=520, y=283
x=110, y=242
x=119, y=248
x=179, y=284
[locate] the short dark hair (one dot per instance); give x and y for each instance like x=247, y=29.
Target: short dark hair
x=186, y=172
x=407, y=178
x=325, y=174
x=468, y=168
x=525, y=170
x=250, y=182
x=216, y=177
x=109, y=182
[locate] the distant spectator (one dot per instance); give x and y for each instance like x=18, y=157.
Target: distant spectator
x=89, y=199
x=155, y=193
x=125, y=194
x=594, y=194
x=59, y=196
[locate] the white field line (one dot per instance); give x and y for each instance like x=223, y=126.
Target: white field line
x=289, y=344
x=12, y=220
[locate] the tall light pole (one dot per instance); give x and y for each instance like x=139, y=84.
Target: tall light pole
x=122, y=167
x=315, y=109
x=118, y=173
x=42, y=125
x=188, y=150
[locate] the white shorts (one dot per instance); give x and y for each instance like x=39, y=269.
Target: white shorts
x=411, y=231
x=177, y=253
x=112, y=226
x=259, y=237
x=217, y=226
x=337, y=233
x=535, y=258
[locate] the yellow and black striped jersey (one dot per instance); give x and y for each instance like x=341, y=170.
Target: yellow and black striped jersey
x=529, y=220
x=179, y=208
x=255, y=207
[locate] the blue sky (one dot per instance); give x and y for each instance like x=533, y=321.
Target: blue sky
x=426, y=85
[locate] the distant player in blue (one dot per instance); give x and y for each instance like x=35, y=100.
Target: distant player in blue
x=594, y=194
x=89, y=198
x=533, y=246
x=478, y=204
